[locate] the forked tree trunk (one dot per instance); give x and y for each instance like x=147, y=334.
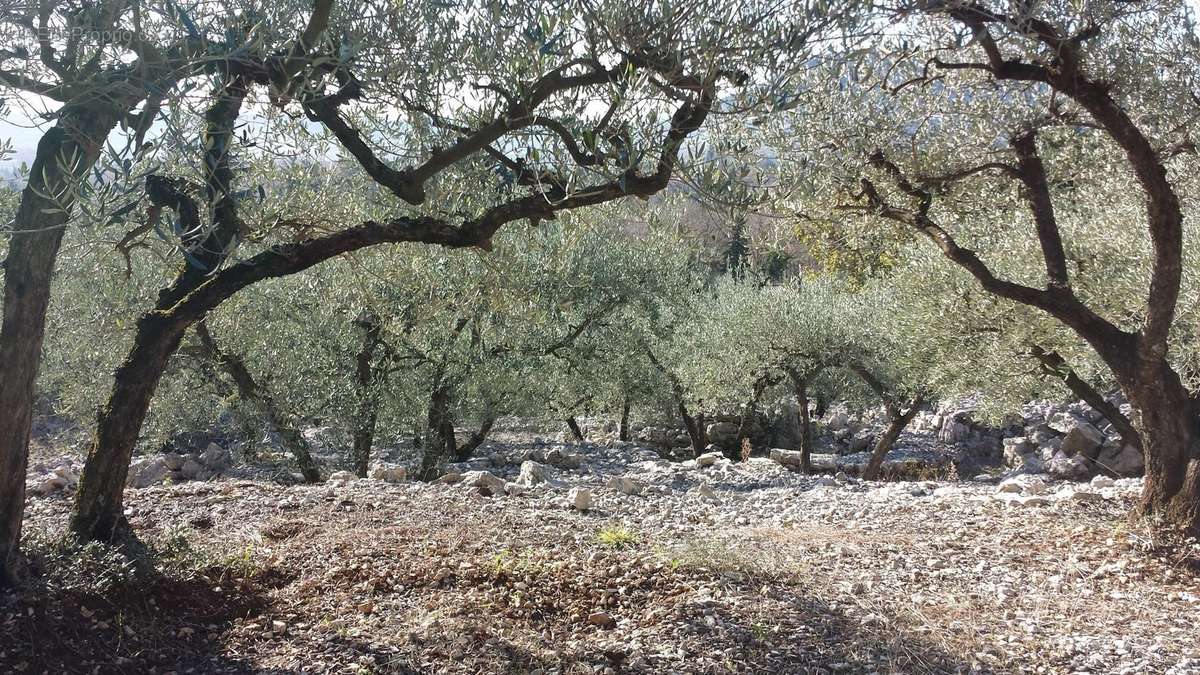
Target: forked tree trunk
x=99, y=510
x=573, y=425
x=623, y=428
x=260, y=400
x=695, y=430
x=899, y=420
x=65, y=154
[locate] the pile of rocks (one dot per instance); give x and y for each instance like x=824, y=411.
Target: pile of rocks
x=1064, y=440
x=1072, y=441
x=154, y=469
x=63, y=474
x=1036, y=490
x=45, y=479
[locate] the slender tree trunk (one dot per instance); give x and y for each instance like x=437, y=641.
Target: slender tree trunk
x=899, y=420
x=368, y=402
x=743, y=432
x=65, y=154
x=364, y=437
x=800, y=384
x=821, y=408
x=695, y=430
x=251, y=392
x=623, y=429
x=573, y=425
x=1054, y=364
x=466, y=450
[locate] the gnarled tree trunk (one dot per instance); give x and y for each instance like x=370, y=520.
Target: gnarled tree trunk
x=1168, y=423
x=65, y=154
x=99, y=511
x=466, y=450
x=440, y=441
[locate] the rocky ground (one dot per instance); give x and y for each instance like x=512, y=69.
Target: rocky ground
x=554, y=558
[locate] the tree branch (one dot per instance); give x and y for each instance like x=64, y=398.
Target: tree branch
x=1032, y=173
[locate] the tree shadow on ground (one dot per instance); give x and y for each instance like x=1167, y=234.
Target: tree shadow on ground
x=102, y=617
x=813, y=639
x=86, y=614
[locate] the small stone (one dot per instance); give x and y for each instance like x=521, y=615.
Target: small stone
x=533, y=473
x=707, y=493
x=388, y=473
x=581, y=498
x=488, y=483
x=1036, y=486
x=1101, y=482
x=601, y=619
x=1009, y=486
x=625, y=485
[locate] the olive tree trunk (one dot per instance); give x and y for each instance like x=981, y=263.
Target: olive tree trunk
x=467, y=449
x=883, y=445
x=253, y=394
x=576, y=431
x=748, y=412
x=623, y=428
x=695, y=429
x=800, y=386
x=368, y=398
x=1167, y=420
x=440, y=441
x=65, y=154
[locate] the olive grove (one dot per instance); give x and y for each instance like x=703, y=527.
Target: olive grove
x=402, y=223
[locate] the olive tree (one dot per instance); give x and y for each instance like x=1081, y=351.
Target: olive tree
x=988, y=128
x=80, y=71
